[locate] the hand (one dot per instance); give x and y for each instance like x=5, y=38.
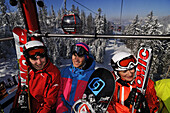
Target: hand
x=139, y=100
x=141, y=104
x=131, y=98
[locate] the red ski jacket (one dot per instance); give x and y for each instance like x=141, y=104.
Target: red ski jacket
x=43, y=87
x=122, y=92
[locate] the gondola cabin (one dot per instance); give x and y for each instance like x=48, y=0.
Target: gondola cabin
x=71, y=24
x=119, y=29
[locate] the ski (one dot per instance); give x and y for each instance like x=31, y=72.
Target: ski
x=144, y=58
x=20, y=36
x=29, y=11
x=98, y=93
x=30, y=16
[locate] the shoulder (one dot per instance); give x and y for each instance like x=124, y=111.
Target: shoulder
x=52, y=69
x=65, y=70
x=150, y=82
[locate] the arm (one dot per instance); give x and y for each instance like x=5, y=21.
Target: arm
x=115, y=107
x=60, y=104
x=151, y=97
x=50, y=95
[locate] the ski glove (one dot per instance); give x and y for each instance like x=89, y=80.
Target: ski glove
x=138, y=100
x=131, y=98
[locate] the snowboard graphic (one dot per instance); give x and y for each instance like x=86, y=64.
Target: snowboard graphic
x=98, y=93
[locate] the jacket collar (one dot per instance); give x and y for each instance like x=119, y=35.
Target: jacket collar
x=77, y=71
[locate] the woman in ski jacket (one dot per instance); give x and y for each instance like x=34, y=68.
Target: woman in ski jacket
x=74, y=78
x=124, y=64
x=44, y=79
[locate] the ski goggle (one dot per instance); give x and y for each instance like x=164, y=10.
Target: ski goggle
x=37, y=52
x=80, y=51
x=127, y=63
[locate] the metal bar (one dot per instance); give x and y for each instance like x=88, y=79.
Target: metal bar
x=162, y=37
x=106, y=36
x=5, y=39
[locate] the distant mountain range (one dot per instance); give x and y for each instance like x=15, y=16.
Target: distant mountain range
x=165, y=20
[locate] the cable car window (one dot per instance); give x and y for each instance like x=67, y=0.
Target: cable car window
x=68, y=20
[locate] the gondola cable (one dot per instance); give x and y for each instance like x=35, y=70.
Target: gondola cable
x=85, y=7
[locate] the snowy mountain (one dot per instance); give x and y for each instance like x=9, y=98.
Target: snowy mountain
x=165, y=21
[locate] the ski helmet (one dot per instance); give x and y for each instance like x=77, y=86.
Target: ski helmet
x=81, y=49
x=34, y=48
x=123, y=61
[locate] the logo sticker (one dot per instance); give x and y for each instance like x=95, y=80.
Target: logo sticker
x=96, y=85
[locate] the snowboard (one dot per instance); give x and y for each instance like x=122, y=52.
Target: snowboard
x=98, y=93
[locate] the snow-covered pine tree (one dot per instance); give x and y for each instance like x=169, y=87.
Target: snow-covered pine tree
x=109, y=28
x=134, y=28
x=59, y=17
x=149, y=21
x=73, y=9
x=44, y=18
x=53, y=20
x=99, y=23
x=5, y=19
x=77, y=10
x=155, y=28
x=40, y=16
x=90, y=24
x=83, y=19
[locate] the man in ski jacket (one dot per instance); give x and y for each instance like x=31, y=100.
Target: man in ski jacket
x=123, y=64
x=44, y=79
x=74, y=78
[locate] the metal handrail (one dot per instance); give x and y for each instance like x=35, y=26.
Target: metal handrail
x=161, y=37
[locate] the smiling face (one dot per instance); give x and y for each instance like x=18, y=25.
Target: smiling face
x=78, y=61
x=127, y=75
x=38, y=63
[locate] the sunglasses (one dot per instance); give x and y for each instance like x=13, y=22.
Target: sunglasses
x=80, y=51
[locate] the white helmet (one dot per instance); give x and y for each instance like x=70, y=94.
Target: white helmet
x=123, y=61
x=31, y=45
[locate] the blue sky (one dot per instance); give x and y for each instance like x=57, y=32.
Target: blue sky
x=112, y=8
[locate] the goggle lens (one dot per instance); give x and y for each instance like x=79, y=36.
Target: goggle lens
x=37, y=52
x=34, y=57
x=80, y=51
x=127, y=63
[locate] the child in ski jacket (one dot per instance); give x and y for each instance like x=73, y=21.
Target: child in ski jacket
x=44, y=80
x=74, y=78
x=124, y=64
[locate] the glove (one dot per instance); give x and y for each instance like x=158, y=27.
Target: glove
x=139, y=99
x=141, y=104
x=131, y=98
